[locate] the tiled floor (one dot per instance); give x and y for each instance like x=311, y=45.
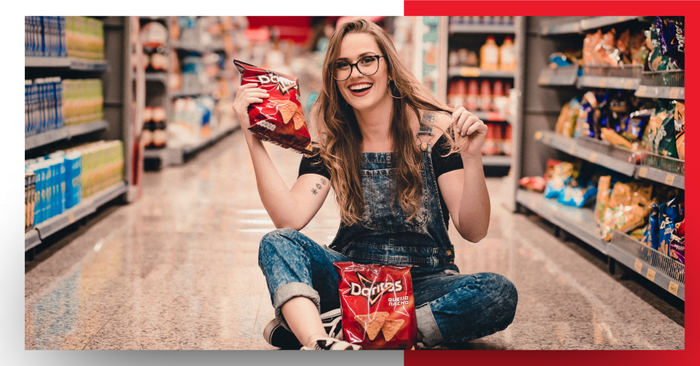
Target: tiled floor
x=178, y=270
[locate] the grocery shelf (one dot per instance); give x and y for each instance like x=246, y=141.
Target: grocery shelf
x=661, y=176
x=65, y=62
x=157, y=76
x=658, y=268
x=607, y=82
x=176, y=156
x=665, y=92
x=586, y=24
x=84, y=208
x=496, y=160
x=578, y=222
x=216, y=46
x=64, y=133
x=464, y=71
x=31, y=239
x=561, y=76
x=62, y=62
x=193, y=92
x=482, y=28
x=603, y=154
x=489, y=116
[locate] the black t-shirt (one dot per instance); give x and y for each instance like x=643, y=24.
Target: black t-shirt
x=441, y=165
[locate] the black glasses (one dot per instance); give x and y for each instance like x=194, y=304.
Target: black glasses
x=368, y=66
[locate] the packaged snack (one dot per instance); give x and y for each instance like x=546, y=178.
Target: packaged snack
x=560, y=175
x=657, y=60
x=613, y=138
x=623, y=46
x=638, y=49
x=377, y=305
x=672, y=39
x=588, y=110
x=677, y=246
x=679, y=120
x=602, y=197
x=566, y=123
x=605, y=52
x=635, y=124
x=670, y=213
x=577, y=196
x=630, y=204
x=279, y=118
x=652, y=236
x=536, y=184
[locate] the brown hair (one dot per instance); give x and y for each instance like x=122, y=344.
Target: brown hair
x=339, y=136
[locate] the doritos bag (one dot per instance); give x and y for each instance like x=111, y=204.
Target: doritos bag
x=377, y=304
x=279, y=118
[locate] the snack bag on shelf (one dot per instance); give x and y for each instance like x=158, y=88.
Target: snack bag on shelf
x=605, y=52
x=377, y=305
x=577, y=196
x=670, y=213
x=672, y=39
x=679, y=124
x=630, y=204
x=588, y=110
x=602, y=198
x=623, y=46
x=566, y=123
x=638, y=49
x=536, y=184
x=613, y=138
x=677, y=246
x=559, y=176
x=657, y=61
x=279, y=118
x=635, y=124
x=589, y=47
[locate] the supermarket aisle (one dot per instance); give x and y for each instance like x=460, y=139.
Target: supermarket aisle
x=178, y=270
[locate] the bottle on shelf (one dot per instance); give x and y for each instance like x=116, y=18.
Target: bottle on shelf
x=489, y=54
x=484, y=102
x=159, y=132
x=472, y=99
x=507, y=55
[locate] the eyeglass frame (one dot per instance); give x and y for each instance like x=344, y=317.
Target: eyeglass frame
x=357, y=66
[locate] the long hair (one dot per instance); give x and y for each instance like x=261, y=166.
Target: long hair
x=340, y=139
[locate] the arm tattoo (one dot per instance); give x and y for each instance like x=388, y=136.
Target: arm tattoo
x=315, y=192
x=318, y=186
x=323, y=181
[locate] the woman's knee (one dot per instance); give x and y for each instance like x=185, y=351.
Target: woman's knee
x=280, y=242
x=504, y=295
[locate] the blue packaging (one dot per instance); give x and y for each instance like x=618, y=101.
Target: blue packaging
x=61, y=120
x=654, y=226
x=62, y=36
x=577, y=196
x=670, y=213
x=27, y=119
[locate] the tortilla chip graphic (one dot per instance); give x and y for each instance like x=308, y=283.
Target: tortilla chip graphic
x=391, y=326
x=299, y=120
x=372, y=323
x=287, y=110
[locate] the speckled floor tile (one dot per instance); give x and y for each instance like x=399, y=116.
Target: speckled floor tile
x=178, y=270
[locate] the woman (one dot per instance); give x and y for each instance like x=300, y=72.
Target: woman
x=400, y=166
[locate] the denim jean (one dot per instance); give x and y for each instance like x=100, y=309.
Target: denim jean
x=450, y=307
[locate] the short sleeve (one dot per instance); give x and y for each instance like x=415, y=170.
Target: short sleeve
x=313, y=165
x=444, y=164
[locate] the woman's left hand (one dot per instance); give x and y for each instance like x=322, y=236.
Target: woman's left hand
x=470, y=132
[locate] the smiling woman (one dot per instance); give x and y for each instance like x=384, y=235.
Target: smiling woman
x=401, y=166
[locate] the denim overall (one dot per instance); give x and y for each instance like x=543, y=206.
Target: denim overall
x=450, y=307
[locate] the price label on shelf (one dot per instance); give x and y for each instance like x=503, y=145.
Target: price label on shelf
x=621, y=18
x=583, y=25
x=673, y=94
x=602, y=83
x=651, y=274
x=643, y=171
x=642, y=90
x=546, y=139
x=572, y=149
x=538, y=135
x=638, y=266
x=673, y=288
x=544, y=80
x=669, y=179
x=628, y=84
x=593, y=157
x=71, y=218
x=545, y=31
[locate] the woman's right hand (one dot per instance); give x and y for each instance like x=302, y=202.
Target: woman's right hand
x=247, y=94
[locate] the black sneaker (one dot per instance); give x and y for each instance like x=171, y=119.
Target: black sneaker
x=278, y=336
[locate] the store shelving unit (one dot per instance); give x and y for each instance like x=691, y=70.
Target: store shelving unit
x=539, y=142
x=473, y=36
x=116, y=124
x=65, y=133
x=164, y=96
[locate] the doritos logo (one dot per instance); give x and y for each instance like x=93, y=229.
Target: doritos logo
x=373, y=291
x=283, y=84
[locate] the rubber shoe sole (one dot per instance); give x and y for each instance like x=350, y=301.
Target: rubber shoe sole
x=277, y=335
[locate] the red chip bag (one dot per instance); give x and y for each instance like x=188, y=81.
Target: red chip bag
x=377, y=304
x=279, y=118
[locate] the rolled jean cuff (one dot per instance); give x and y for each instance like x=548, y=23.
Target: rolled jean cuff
x=290, y=291
x=428, y=326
